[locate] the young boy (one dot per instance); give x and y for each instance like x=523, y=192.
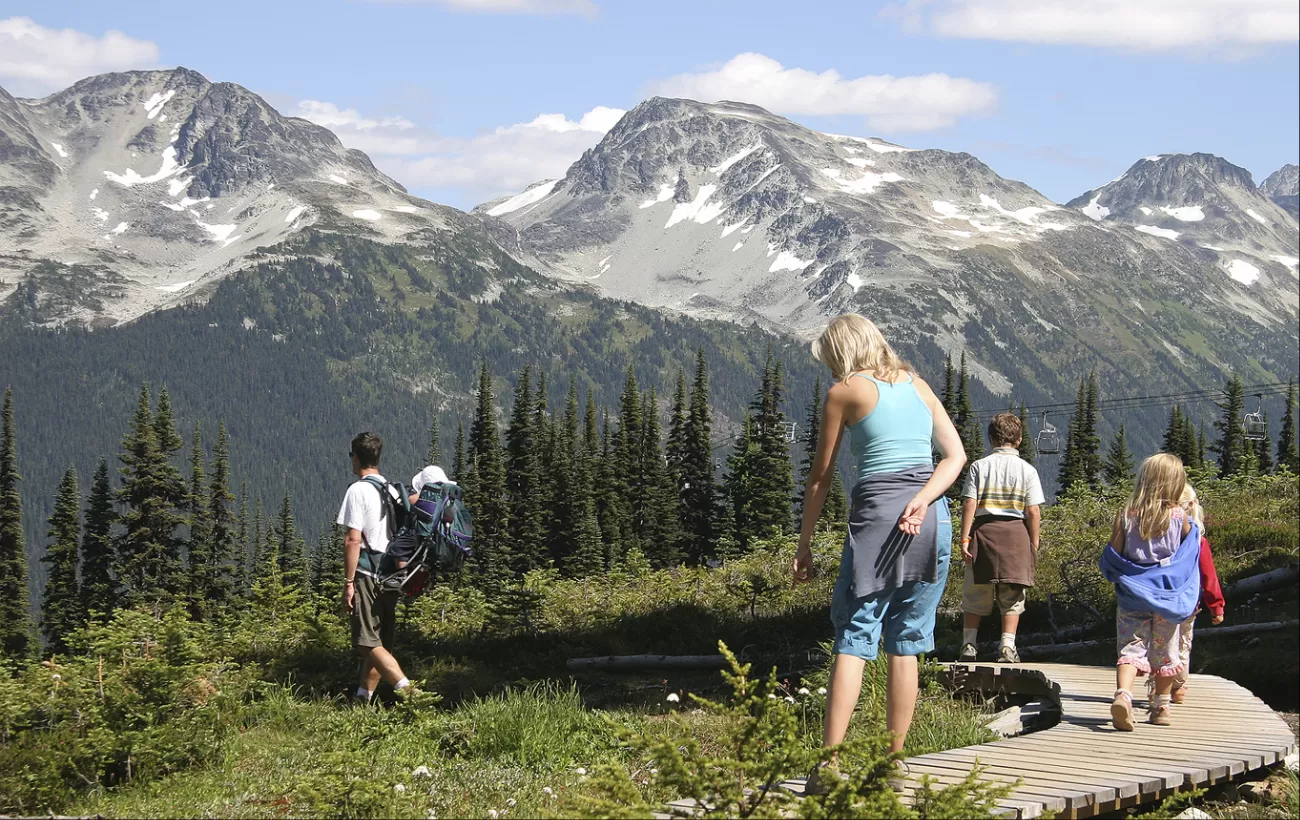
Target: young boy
x=999, y=536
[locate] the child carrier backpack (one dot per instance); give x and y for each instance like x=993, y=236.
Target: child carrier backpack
x=433, y=539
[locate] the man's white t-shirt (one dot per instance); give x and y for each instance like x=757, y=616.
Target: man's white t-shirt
x=361, y=510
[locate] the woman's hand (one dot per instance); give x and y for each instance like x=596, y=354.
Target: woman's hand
x=803, y=564
x=913, y=516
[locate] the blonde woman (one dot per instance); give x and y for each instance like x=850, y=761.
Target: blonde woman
x=1152, y=558
x=895, y=559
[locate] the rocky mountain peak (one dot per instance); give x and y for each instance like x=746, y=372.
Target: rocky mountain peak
x=1283, y=187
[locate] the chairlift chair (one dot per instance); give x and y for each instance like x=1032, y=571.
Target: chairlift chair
x=1048, y=441
x=1256, y=426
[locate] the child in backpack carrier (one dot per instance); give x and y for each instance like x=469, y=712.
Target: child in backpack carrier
x=404, y=545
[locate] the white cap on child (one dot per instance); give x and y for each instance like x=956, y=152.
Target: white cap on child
x=432, y=474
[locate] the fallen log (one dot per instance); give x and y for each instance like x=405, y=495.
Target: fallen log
x=1264, y=582
x=1210, y=631
x=630, y=663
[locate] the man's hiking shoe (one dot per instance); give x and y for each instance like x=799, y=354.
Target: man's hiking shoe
x=1008, y=654
x=968, y=653
x=1161, y=716
x=822, y=779
x=1121, y=711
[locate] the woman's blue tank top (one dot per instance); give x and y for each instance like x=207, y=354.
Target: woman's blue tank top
x=896, y=434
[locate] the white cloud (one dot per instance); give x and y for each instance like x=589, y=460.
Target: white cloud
x=1129, y=24
x=503, y=161
x=38, y=60
x=917, y=103
x=508, y=6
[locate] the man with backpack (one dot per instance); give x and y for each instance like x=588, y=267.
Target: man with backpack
x=366, y=517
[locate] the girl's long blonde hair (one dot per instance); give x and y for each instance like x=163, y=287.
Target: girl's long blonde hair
x=851, y=343
x=1160, y=483
x=1197, y=513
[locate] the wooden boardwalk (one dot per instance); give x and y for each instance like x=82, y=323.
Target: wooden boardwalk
x=1082, y=766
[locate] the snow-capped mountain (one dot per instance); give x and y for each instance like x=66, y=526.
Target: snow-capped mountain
x=1205, y=201
x=126, y=192
x=1283, y=187
x=728, y=210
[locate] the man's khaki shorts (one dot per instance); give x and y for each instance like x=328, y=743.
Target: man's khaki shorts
x=374, y=613
x=977, y=599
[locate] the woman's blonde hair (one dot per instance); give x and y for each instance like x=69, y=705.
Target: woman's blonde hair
x=1160, y=483
x=851, y=343
x=1197, y=513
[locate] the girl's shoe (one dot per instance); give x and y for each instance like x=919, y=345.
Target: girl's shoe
x=1179, y=693
x=822, y=779
x=1121, y=711
x=1161, y=716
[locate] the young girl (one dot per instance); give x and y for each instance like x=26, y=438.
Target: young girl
x=1211, y=596
x=1153, y=565
x=895, y=559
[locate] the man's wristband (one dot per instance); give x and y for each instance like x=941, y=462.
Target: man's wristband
x=348, y=580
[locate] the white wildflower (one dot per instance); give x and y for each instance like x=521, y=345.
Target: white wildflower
x=399, y=788
x=789, y=699
x=803, y=690
x=420, y=771
x=673, y=697
x=510, y=804
x=821, y=690
x=57, y=676
x=433, y=815
x=580, y=770
x=547, y=790
x=654, y=771
x=771, y=696
x=493, y=814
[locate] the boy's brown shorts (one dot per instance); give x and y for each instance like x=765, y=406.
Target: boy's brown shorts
x=374, y=613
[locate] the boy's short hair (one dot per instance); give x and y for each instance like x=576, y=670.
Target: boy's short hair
x=367, y=447
x=1005, y=430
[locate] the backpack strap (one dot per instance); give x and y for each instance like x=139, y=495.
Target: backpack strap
x=385, y=504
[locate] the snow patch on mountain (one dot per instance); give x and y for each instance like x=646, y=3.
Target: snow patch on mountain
x=665, y=193
x=721, y=168
x=131, y=177
x=294, y=213
x=1095, y=210
x=697, y=209
x=1187, y=213
x=788, y=261
x=533, y=195
x=155, y=103
x=368, y=214
x=1164, y=233
x=1261, y=220
x=1243, y=271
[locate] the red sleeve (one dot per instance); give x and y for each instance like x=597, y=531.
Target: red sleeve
x=1211, y=592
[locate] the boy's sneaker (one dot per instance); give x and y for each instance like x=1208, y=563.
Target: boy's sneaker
x=1008, y=654
x=1121, y=711
x=898, y=780
x=1162, y=716
x=968, y=653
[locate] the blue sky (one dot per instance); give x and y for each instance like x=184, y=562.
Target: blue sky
x=446, y=94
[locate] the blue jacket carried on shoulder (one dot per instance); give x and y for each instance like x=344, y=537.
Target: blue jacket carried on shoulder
x=1171, y=589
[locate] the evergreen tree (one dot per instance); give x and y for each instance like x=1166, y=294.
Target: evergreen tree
x=61, y=608
x=1287, y=454
x=327, y=563
x=699, y=487
x=626, y=478
x=15, y=623
x=1118, y=468
x=485, y=487
x=546, y=464
x=1264, y=450
x=1230, y=446
x=835, y=513
x=1172, y=442
x=1089, y=440
x=458, y=466
x=153, y=494
x=675, y=449
x=434, y=455
x=1200, y=446
x=227, y=544
x=834, y=509
x=968, y=427
x=523, y=474
x=1073, y=464
x=745, y=522
x=774, y=483
x=949, y=397
x=657, y=514
x=200, y=543
x=1027, y=449
x=258, y=556
x=243, y=546
x=562, y=525
x=98, y=589
x=289, y=550
x=609, y=503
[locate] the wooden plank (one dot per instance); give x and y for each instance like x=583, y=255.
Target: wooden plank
x=1056, y=799
x=1142, y=780
x=1104, y=789
x=1191, y=773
